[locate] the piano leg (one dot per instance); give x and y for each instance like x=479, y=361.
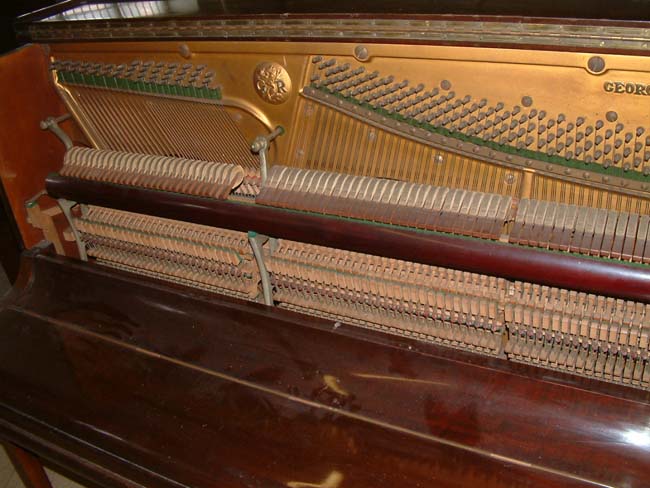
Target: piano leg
x=28, y=467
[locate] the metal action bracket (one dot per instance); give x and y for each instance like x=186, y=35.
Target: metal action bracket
x=261, y=145
x=66, y=207
x=257, y=241
x=52, y=124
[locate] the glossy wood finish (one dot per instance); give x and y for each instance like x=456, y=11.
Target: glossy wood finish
x=569, y=9
x=479, y=256
x=28, y=467
x=27, y=153
x=148, y=384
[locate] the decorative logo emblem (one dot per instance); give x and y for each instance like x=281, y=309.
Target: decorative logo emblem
x=272, y=82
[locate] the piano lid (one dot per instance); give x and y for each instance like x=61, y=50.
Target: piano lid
x=571, y=25
x=75, y=10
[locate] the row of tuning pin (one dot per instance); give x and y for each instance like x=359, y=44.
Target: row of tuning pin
x=159, y=73
x=604, y=143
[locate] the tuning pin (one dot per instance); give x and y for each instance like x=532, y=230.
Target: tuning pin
x=325, y=64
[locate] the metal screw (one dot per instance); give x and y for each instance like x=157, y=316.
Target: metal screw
x=361, y=53
x=596, y=64
x=185, y=51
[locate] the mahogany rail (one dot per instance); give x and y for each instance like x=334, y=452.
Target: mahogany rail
x=564, y=270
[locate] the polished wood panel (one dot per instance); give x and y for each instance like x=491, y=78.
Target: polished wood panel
x=27, y=153
x=169, y=386
x=480, y=256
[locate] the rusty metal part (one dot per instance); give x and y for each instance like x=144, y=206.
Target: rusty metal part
x=204, y=178
x=585, y=334
x=388, y=201
x=195, y=255
x=583, y=230
x=436, y=304
x=528, y=222
x=153, y=108
x=571, y=331
x=597, y=124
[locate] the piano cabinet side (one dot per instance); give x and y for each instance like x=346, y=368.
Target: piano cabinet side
x=27, y=152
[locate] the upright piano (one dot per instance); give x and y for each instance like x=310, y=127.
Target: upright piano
x=329, y=244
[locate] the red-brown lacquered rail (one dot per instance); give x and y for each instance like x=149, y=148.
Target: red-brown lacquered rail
x=512, y=262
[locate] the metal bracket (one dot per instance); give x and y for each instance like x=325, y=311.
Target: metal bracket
x=256, y=241
x=52, y=124
x=66, y=207
x=261, y=145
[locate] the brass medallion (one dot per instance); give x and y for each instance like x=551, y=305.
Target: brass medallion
x=272, y=82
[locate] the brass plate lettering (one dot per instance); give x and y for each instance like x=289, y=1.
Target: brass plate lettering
x=626, y=87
